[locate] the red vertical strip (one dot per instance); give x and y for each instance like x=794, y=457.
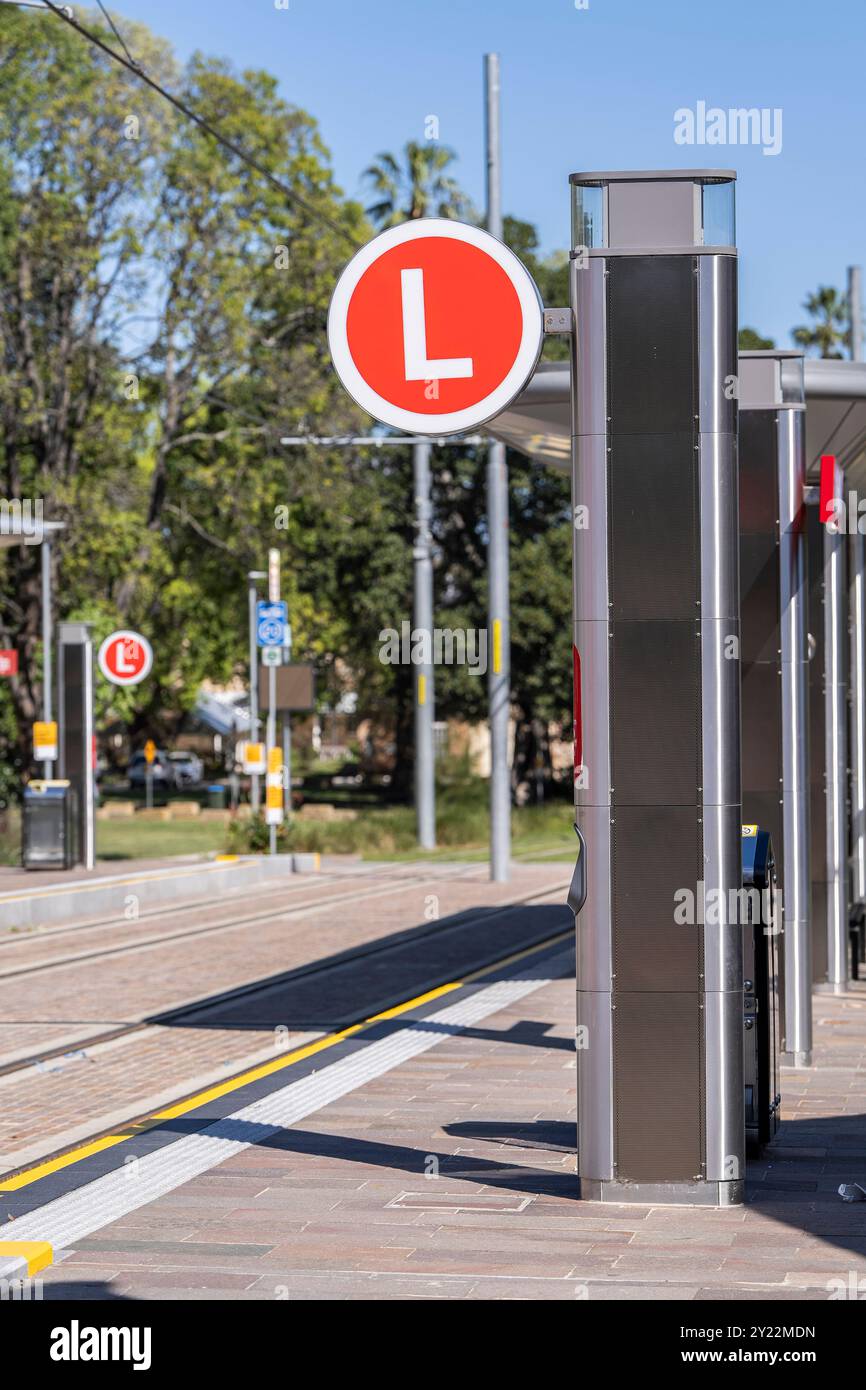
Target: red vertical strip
x=828, y=490
x=578, y=715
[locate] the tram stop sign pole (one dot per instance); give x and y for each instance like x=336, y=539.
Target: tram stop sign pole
x=434, y=328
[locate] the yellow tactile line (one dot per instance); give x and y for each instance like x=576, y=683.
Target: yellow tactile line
x=38, y=1253
x=108, y=1141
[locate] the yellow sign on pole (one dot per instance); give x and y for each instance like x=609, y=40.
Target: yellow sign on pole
x=274, y=788
x=149, y=751
x=254, y=757
x=45, y=741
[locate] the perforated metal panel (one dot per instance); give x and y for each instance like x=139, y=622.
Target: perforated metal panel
x=653, y=360
x=659, y=1090
x=655, y=692
x=653, y=492
x=655, y=697
x=651, y=850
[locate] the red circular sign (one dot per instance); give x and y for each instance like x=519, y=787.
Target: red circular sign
x=435, y=326
x=125, y=658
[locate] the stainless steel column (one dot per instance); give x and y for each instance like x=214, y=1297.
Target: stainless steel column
x=499, y=658
x=657, y=689
x=794, y=606
x=720, y=789
x=857, y=655
x=836, y=758
x=425, y=786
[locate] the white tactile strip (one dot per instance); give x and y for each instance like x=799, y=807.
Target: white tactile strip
x=77, y=1214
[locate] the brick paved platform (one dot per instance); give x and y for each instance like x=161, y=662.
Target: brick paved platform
x=69, y=995
x=452, y=1176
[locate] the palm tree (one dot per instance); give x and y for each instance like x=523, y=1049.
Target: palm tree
x=419, y=187
x=830, y=328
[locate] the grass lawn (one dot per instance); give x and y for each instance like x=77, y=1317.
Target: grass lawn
x=462, y=830
x=386, y=833
x=135, y=839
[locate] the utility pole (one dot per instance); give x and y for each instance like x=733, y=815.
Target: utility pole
x=274, y=597
x=425, y=781
x=855, y=311
x=499, y=656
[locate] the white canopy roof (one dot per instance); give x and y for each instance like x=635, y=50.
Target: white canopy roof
x=538, y=423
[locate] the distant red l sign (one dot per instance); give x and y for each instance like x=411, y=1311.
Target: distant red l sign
x=435, y=326
x=125, y=658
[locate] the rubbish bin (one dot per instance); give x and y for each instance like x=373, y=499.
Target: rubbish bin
x=49, y=826
x=761, y=927
x=216, y=797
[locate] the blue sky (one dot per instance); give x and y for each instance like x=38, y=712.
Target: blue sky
x=584, y=89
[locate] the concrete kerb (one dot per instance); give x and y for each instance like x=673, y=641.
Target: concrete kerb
x=47, y=904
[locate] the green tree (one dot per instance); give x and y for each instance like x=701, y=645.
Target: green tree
x=419, y=185
x=162, y=315
x=748, y=340
x=829, y=329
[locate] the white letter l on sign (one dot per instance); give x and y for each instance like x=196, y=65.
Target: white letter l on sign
x=418, y=366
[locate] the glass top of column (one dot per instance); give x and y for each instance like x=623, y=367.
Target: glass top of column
x=654, y=211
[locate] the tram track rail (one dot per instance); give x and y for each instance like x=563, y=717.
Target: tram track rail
x=178, y=1012
x=280, y=912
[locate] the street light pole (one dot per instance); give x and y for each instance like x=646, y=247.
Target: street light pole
x=499, y=659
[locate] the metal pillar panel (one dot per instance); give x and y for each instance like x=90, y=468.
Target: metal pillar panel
x=836, y=757
x=657, y=790
x=594, y=961
x=76, y=730
x=796, y=840
x=817, y=725
x=425, y=789
x=774, y=657
x=719, y=792
x=857, y=710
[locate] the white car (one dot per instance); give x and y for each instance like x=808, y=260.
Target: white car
x=187, y=769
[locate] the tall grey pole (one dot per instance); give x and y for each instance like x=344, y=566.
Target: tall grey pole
x=425, y=784
x=254, y=687
x=855, y=311
x=287, y=763
x=272, y=739
x=499, y=663
x=47, y=644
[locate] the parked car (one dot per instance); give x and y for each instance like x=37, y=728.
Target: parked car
x=136, y=771
x=187, y=768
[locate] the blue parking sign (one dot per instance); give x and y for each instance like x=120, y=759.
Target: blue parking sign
x=271, y=619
